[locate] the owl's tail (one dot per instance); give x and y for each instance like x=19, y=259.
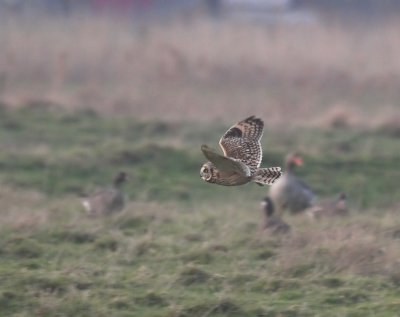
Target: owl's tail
x=266, y=176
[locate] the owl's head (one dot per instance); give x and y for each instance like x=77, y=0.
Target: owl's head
x=207, y=171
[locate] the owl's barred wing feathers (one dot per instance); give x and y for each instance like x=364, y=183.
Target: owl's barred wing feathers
x=225, y=164
x=250, y=128
x=242, y=157
x=242, y=142
x=267, y=176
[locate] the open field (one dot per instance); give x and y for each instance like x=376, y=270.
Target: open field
x=83, y=99
x=183, y=247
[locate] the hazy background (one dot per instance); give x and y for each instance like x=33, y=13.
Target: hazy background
x=300, y=62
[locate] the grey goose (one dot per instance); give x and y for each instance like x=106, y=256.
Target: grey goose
x=330, y=208
x=107, y=200
x=272, y=223
x=289, y=192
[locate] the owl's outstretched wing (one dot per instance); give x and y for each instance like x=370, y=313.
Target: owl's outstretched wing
x=242, y=142
x=225, y=164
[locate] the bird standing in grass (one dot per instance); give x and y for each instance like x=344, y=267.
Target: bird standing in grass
x=107, y=200
x=242, y=157
x=271, y=222
x=336, y=207
x=290, y=192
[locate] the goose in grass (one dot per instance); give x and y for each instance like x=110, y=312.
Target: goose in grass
x=330, y=208
x=107, y=200
x=289, y=192
x=272, y=223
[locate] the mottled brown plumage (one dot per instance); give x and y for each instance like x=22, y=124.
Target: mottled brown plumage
x=242, y=157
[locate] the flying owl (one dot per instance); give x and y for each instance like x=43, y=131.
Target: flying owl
x=242, y=157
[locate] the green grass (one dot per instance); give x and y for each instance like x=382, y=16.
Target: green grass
x=183, y=247
x=58, y=152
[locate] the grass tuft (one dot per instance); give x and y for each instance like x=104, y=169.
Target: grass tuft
x=198, y=257
x=23, y=248
x=57, y=285
x=224, y=307
x=151, y=299
x=192, y=275
x=73, y=236
x=107, y=243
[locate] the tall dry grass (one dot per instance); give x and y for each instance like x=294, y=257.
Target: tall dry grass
x=21, y=210
x=201, y=70
x=364, y=246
